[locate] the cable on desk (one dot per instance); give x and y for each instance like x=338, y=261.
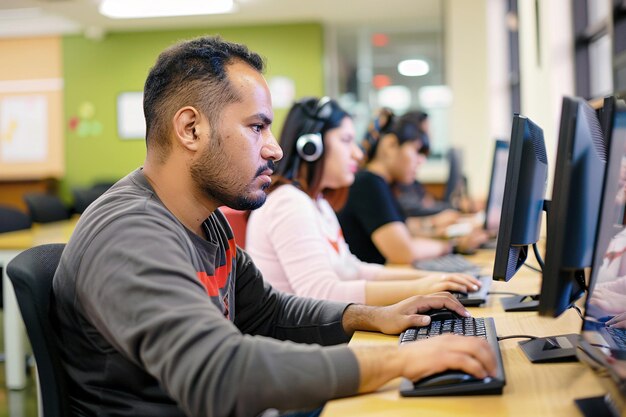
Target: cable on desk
x=533, y=268
x=580, y=313
x=503, y=293
x=538, y=256
x=600, y=345
x=516, y=336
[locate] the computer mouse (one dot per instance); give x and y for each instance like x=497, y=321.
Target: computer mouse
x=449, y=377
x=442, y=314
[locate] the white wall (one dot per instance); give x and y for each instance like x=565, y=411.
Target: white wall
x=547, y=74
x=500, y=111
x=467, y=74
x=476, y=52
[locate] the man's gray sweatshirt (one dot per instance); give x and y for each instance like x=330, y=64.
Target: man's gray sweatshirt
x=157, y=321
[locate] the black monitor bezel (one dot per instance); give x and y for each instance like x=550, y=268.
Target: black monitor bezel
x=499, y=146
x=509, y=201
x=560, y=288
x=586, y=349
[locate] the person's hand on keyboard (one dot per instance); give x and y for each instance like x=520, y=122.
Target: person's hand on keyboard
x=417, y=360
x=460, y=283
x=468, y=354
x=618, y=321
x=469, y=243
x=414, y=360
x=398, y=317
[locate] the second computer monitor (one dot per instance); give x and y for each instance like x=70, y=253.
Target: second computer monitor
x=493, y=210
x=523, y=200
x=603, y=342
x=574, y=208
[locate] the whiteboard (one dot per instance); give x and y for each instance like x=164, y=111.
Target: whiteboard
x=131, y=123
x=23, y=128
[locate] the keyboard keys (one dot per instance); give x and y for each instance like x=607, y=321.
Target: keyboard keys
x=472, y=327
x=464, y=327
x=448, y=263
x=619, y=337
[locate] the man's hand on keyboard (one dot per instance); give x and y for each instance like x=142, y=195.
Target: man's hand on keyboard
x=447, y=282
x=468, y=354
x=417, y=360
x=398, y=317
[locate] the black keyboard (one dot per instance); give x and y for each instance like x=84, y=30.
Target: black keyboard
x=619, y=337
x=472, y=327
x=476, y=298
x=448, y=263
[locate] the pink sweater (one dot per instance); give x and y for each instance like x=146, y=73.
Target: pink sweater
x=298, y=245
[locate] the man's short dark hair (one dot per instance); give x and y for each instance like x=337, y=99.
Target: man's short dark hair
x=191, y=73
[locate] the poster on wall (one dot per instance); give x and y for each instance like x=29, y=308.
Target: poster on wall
x=131, y=123
x=24, y=128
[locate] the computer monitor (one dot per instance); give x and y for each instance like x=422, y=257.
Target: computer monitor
x=572, y=223
x=455, y=186
x=606, y=113
x=523, y=201
x=493, y=210
x=603, y=338
x=574, y=208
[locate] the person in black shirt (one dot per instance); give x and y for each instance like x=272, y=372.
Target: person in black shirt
x=372, y=220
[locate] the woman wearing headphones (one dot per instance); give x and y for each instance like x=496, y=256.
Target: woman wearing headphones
x=295, y=238
x=372, y=219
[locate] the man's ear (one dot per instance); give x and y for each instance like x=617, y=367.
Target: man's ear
x=187, y=127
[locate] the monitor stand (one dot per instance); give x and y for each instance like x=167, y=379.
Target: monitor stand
x=527, y=302
x=601, y=406
x=561, y=348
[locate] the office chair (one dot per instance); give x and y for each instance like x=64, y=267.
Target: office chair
x=45, y=208
x=12, y=219
x=83, y=197
x=31, y=273
x=102, y=186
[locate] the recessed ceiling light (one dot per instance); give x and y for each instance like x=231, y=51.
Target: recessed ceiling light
x=413, y=67
x=396, y=97
x=435, y=96
x=137, y=9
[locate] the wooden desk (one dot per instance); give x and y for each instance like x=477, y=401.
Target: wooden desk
x=531, y=389
x=11, y=244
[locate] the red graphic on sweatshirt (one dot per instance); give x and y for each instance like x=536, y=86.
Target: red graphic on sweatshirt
x=213, y=283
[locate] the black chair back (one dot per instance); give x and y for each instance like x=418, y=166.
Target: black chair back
x=46, y=208
x=31, y=273
x=12, y=219
x=83, y=197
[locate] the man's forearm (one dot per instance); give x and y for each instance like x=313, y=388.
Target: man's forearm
x=377, y=365
x=359, y=317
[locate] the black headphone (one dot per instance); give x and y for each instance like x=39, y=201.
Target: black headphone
x=309, y=144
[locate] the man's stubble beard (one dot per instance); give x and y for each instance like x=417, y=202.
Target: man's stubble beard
x=213, y=176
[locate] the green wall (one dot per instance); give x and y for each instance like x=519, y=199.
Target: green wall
x=95, y=72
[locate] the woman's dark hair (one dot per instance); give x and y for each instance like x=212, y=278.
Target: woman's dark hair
x=292, y=169
x=406, y=128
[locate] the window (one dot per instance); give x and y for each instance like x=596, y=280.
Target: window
x=367, y=62
x=593, y=52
